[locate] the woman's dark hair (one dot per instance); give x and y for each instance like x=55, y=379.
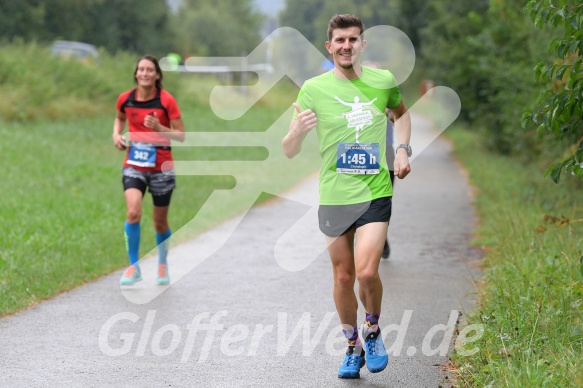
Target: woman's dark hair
x=152, y=59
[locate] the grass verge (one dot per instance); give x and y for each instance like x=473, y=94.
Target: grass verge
x=531, y=296
x=63, y=208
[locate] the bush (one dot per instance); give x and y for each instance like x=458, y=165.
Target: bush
x=35, y=85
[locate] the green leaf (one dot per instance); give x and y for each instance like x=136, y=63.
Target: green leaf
x=555, y=43
x=555, y=171
x=555, y=20
x=533, y=16
x=573, y=47
x=550, y=71
x=545, y=15
x=526, y=119
x=573, y=22
x=563, y=49
x=533, y=7
x=561, y=72
x=572, y=84
x=538, y=70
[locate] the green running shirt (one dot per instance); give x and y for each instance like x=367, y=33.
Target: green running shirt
x=343, y=108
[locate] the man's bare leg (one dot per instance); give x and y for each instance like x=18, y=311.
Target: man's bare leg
x=370, y=239
x=341, y=250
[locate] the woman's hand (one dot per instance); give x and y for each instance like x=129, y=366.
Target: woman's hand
x=119, y=142
x=151, y=121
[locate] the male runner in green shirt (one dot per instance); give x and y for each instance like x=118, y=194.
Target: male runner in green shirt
x=347, y=105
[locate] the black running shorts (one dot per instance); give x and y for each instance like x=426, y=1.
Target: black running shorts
x=160, y=184
x=336, y=220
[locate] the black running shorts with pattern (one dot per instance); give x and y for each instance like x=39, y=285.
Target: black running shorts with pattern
x=160, y=184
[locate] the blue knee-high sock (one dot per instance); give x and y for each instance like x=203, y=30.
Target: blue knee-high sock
x=132, y=235
x=162, y=241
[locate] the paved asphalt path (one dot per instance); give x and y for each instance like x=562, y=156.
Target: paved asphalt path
x=257, y=312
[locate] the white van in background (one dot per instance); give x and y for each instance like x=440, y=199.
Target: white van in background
x=84, y=52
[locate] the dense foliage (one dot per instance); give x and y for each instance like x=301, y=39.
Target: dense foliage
x=487, y=50
x=560, y=110
x=200, y=27
x=131, y=25
x=217, y=28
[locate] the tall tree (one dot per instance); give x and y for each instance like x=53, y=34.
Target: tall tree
x=217, y=27
x=301, y=14
x=412, y=20
x=135, y=25
x=481, y=49
x=452, y=50
x=21, y=19
x=140, y=26
x=560, y=111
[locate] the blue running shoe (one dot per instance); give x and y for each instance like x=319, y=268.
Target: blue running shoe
x=163, y=277
x=377, y=357
x=131, y=275
x=350, y=368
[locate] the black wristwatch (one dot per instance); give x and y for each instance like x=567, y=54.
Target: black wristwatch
x=405, y=146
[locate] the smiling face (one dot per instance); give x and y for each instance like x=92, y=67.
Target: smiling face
x=146, y=74
x=345, y=45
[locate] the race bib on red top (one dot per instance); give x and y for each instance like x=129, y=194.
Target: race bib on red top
x=142, y=155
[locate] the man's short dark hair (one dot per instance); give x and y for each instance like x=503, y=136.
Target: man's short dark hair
x=344, y=21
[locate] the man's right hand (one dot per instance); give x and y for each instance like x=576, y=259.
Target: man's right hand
x=306, y=120
x=298, y=128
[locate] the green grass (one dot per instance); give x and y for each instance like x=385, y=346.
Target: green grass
x=34, y=85
x=531, y=295
x=63, y=210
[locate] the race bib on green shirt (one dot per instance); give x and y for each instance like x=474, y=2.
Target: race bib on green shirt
x=358, y=158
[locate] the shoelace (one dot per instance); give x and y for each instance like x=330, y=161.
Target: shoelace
x=371, y=344
x=353, y=359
